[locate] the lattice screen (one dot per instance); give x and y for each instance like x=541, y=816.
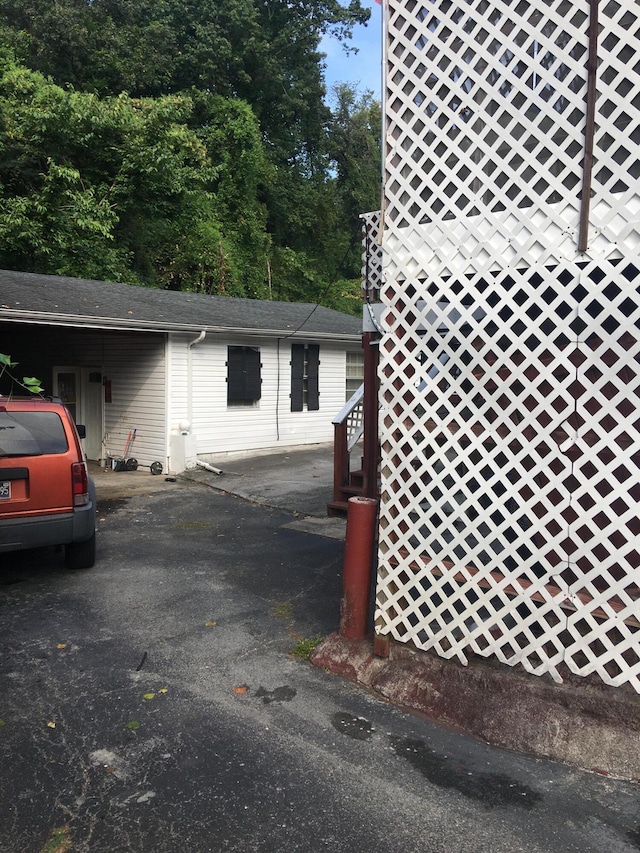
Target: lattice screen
x=510, y=373
x=371, y=255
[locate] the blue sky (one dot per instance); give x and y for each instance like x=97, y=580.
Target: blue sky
x=364, y=68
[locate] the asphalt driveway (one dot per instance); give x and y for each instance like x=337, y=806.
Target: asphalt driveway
x=153, y=704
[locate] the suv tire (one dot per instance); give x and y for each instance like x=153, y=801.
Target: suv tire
x=80, y=555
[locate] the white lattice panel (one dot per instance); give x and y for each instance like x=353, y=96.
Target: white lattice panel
x=510, y=374
x=371, y=255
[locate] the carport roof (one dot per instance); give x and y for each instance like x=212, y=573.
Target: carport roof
x=62, y=301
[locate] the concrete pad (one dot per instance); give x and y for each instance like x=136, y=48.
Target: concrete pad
x=333, y=528
x=298, y=479
x=116, y=485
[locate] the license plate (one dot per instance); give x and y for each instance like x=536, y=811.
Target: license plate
x=5, y=490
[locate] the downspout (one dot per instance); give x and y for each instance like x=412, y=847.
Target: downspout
x=278, y=390
x=590, y=127
x=191, y=344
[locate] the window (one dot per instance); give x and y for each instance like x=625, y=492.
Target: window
x=305, y=359
x=243, y=376
x=31, y=434
x=355, y=372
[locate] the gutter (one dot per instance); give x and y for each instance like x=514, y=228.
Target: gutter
x=110, y=323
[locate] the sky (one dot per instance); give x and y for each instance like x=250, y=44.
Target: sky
x=364, y=68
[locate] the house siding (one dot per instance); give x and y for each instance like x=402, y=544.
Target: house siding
x=220, y=428
x=158, y=380
x=133, y=362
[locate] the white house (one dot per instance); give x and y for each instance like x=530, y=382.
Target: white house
x=193, y=375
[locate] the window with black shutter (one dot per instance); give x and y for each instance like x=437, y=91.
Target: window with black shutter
x=243, y=376
x=305, y=394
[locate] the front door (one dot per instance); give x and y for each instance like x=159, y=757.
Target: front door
x=80, y=388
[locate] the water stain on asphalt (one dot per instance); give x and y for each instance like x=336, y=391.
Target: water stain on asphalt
x=278, y=694
x=491, y=789
x=634, y=837
x=355, y=727
x=108, y=505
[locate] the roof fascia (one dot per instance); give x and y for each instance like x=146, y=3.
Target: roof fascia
x=116, y=324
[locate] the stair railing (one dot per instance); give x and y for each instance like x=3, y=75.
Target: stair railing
x=348, y=426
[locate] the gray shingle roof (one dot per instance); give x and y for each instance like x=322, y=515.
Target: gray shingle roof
x=28, y=297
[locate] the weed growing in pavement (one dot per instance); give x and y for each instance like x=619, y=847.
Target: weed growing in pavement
x=282, y=610
x=303, y=649
x=59, y=841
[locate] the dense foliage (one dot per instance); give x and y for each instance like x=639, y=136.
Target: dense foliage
x=185, y=144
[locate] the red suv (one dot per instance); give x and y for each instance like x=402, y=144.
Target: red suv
x=46, y=494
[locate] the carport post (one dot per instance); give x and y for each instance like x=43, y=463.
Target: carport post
x=357, y=567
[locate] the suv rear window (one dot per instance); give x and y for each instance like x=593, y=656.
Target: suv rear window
x=31, y=434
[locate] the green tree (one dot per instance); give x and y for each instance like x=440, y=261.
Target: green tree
x=353, y=187
x=355, y=147
x=355, y=152
x=265, y=205
x=54, y=218
x=125, y=188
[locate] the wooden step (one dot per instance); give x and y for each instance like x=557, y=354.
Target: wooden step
x=351, y=491
x=337, y=509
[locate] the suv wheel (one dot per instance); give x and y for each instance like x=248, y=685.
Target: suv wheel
x=80, y=555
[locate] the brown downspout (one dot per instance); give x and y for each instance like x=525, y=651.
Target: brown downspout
x=590, y=124
x=370, y=448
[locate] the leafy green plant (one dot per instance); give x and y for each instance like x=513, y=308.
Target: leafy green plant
x=304, y=648
x=59, y=841
x=185, y=146
x=28, y=383
x=282, y=610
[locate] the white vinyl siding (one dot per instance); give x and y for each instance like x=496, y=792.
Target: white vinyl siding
x=133, y=361
x=135, y=364
x=177, y=385
x=219, y=428
x=158, y=383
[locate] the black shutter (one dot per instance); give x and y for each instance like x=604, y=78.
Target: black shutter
x=235, y=375
x=253, y=387
x=243, y=375
x=297, y=377
x=313, y=391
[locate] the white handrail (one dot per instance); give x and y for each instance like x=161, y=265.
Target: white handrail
x=352, y=415
x=348, y=407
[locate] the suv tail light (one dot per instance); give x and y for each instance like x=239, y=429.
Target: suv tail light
x=80, y=484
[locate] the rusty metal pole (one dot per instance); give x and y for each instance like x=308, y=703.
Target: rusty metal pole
x=590, y=127
x=370, y=446
x=357, y=567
